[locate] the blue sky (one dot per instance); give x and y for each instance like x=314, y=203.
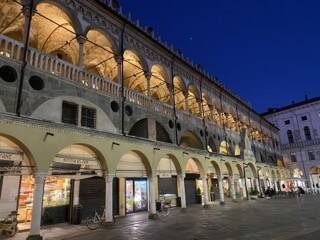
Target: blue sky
x=267, y=51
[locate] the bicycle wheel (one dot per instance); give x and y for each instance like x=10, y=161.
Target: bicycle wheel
x=92, y=223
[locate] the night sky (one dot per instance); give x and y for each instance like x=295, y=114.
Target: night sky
x=267, y=51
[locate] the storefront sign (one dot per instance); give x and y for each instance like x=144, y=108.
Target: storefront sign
x=72, y=161
x=10, y=171
x=10, y=156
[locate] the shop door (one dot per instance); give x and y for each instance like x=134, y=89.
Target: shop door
x=215, y=194
x=115, y=196
x=191, y=191
x=92, y=196
x=136, y=195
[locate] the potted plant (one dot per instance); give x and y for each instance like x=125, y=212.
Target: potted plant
x=254, y=194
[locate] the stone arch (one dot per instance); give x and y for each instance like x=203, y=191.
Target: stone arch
x=239, y=170
x=172, y=161
x=159, y=82
x=193, y=100
x=12, y=145
x=205, y=106
x=216, y=168
x=8, y=11
x=252, y=169
x=79, y=157
x=194, y=166
x=212, y=148
x=57, y=36
x=141, y=129
x=229, y=169
x=51, y=110
x=179, y=93
x=72, y=14
x=190, y=139
x=99, y=54
x=134, y=71
x=133, y=164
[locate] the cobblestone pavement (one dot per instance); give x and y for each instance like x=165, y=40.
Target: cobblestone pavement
x=277, y=219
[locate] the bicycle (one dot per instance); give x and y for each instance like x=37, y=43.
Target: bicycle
x=165, y=207
x=96, y=221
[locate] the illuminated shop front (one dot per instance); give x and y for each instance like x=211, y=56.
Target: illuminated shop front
x=72, y=165
x=131, y=185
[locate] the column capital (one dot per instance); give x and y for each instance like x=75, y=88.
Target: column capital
x=40, y=177
x=182, y=175
x=109, y=177
x=81, y=39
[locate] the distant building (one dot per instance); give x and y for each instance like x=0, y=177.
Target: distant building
x=299, y=125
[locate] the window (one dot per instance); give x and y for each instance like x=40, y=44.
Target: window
x=304, y=118
x=307, y=133
x=70, y=113
x=311, y=156
x=290, y=136
x=88, y=117
x=293, y=157
x=287, y=122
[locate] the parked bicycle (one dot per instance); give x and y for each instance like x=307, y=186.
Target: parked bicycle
x=9, y=225
x=97, y=220
x=165, y=207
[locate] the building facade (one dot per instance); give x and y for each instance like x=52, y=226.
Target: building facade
x=299, y=125
x=97, y=112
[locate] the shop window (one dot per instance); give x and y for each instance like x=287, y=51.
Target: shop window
x=287, y=122
x=1, y=182
x=88, y=117
x=304, y=118
x=70, y=113
x=290, y=136
x=311, y=156
x=293, y=157
x=56, y=192
x=307, y=133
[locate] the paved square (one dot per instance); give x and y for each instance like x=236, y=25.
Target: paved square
x=264, y=219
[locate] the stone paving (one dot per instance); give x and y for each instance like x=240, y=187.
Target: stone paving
x=278, y=219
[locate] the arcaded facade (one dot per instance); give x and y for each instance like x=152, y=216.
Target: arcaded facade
x=96, y=111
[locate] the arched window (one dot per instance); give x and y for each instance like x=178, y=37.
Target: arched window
x=290, y=136
x=307, y=133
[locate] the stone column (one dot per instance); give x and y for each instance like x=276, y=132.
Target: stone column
x=109, y=198
x=152, y=197
x=276, y=186
x=76, y=192
x=205, y=191
x=232, y=188
x=258, y=185
x=148, y=77
x=244, y=191
x=39, y=181
x=182, y=190
x=27, y=12
x=81, y=40
x=221, y=190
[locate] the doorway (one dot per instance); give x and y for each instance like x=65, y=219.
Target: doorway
x=136, y=195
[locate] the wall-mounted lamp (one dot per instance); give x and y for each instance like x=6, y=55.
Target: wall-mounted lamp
x=48, y=134
x=115, y=144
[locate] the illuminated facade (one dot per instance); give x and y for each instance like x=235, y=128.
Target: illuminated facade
x=96, y=111
x=299, y=137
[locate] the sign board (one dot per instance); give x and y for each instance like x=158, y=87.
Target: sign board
x=165, y=175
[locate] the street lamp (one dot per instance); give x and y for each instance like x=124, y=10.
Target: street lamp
x=245, y=165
